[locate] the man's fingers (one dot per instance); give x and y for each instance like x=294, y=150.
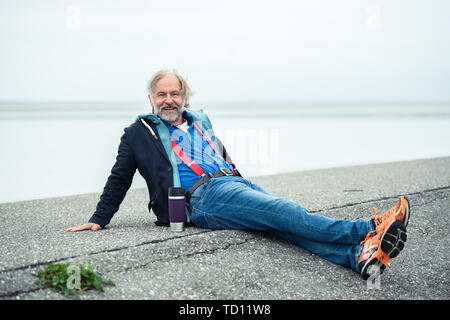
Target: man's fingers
x=75, y=229
x=87, y=226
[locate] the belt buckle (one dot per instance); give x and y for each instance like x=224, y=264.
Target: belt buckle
x=225, y=173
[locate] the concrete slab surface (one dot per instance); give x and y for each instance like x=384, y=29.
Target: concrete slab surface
x=150, y=262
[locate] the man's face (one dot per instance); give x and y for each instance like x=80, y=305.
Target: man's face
x=167, y=98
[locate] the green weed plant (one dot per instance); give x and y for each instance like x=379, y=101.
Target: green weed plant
x=63, y=278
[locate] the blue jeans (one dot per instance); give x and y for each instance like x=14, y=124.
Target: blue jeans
x=231, y=202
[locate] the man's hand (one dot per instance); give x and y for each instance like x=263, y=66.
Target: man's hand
x=87, y=226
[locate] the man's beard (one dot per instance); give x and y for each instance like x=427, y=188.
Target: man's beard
x=176, y=117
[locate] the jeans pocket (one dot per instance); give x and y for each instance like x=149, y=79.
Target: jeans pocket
x=199, y=194
x=205, y=220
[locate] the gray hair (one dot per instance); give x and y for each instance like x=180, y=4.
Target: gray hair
x=186, y=91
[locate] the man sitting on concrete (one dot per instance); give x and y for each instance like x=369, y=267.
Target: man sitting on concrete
x=161, y=145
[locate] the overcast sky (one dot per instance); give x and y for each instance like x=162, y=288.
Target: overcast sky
x=228, y=50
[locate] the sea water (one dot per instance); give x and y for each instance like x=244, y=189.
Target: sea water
x=59, y=148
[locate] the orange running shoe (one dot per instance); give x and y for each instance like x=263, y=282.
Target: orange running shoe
x=399, y=212
x=380, y=247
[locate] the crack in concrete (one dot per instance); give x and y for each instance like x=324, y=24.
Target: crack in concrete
x=188, y=255
x=209, y=251
x=38, y=264
x=347, y=205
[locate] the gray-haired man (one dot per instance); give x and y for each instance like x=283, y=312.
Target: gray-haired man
x=218, y=197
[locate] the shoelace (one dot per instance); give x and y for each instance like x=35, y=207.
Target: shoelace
x=378, y=221
x=369, y=235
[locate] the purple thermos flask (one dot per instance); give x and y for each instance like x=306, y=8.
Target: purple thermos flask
x=177, y=209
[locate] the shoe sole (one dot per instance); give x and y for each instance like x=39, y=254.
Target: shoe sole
x=407, y=212
x=393, y=239
x=391, y=244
